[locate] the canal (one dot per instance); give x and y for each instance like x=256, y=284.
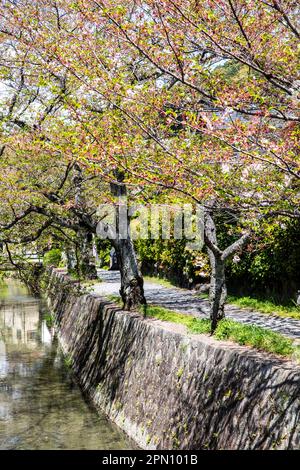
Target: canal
x=41, y=407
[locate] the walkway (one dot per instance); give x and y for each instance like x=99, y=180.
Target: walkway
x=186, y=301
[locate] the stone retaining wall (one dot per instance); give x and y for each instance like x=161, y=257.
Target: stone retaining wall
x=170, y=390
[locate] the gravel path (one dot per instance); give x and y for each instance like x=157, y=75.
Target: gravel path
x=186, y=301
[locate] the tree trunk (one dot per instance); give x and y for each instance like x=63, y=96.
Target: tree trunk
x=132, y=283
x=86, y=263
x=113, y=261
x=70, y=258
x=87, y=266
x=218, y=257
x=217, y=290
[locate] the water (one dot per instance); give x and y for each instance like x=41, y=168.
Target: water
x=41, y=407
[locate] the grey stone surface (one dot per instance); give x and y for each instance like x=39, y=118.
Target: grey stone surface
x=168, y=390
x=186, y=301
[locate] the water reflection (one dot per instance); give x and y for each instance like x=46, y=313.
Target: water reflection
x=40, y=405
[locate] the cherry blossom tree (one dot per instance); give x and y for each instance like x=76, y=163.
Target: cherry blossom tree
x=199, y=98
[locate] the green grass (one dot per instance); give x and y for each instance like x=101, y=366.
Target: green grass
x=262, y=306
x=259, y=305
x=248, y=335
x=157, y=280
x=114, y=298
x=90, y=283
x=256, y=337
x=265, y=306
x=189, y=321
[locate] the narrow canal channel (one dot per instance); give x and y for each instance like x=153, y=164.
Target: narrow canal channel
x=41, y=407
